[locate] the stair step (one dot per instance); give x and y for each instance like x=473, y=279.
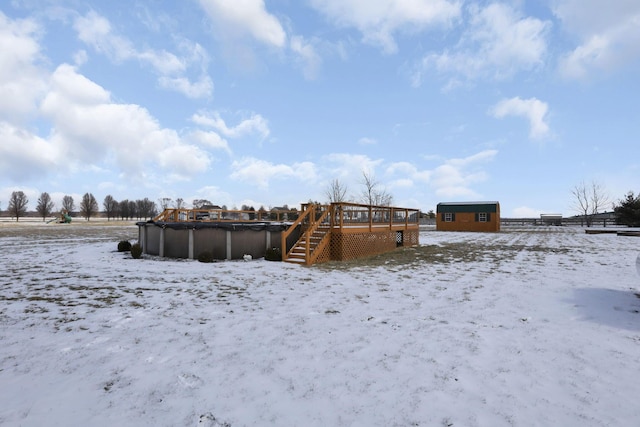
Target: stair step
x=298, y=253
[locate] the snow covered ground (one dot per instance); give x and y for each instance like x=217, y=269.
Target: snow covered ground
x=529, y=327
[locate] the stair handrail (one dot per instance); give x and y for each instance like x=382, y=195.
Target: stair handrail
x=313, y=227
x=165, y=215
x=285, y=253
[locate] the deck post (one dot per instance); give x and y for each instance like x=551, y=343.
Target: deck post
x=228, y=244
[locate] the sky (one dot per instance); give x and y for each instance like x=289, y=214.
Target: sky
x=266, y=103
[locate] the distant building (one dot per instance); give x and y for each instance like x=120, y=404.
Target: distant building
x=468, y=216
x=551, y=219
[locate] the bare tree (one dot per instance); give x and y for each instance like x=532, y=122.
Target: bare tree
x=199, y=203
x=45, y=205
x=336, y=192
x=18, y=204
x=179, y=204
x=68, y=204
x=110, y=206
x=588, y=200
x=372, y=194
x=88, y=206
x=123, y=207
x=133, y=209
x=145, y=208
x=165, y=202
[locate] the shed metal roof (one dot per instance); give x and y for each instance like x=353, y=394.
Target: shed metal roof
x=467, y=207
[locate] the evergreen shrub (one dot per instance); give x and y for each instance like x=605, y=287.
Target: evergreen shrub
x=124, y=246
x=205, y=256
x=273, y=254
x=136, y=251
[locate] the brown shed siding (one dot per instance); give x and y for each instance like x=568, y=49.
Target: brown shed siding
x=465, y=217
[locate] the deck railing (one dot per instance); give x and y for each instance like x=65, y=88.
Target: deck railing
x=217, y=215
x=348, y=218
x=353, y=215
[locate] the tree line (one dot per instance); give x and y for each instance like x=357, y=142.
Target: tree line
x=591, y=199
x=87, y=208
x=111, y=208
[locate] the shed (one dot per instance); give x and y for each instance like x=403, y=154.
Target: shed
x=551, y=219
x=468, y=216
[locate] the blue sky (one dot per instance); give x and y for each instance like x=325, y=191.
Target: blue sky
x=264, y=103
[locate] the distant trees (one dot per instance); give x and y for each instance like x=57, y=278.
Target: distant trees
x=145, y=208
x=88, y=206
x=123, y=208
x=199, y=203
x=68, y=204
x=628, y=211
x=589, y=199
x=110, y=206
x=372, y=193
x=45, y=205
x=336, y=192
x=179, y=203
x=18, y=204
x=165, y=202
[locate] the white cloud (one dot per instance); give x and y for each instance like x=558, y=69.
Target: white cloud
x=498, y=43
x=214, y=194
x=409, y=170
x=255, y=124
x=240, y=25
x=307, y=56
x=259, y=172
x=182, y=159
x=210, y=139
x=198, y=89
x=96, y=31
x=367, y=141
x=351, y=166
x=532, y=109
x=245, y=18
x=89, y=128
x=454, y=179
x=80, y=57
x=24, y=155
x=378, y=21
x=609, y=36
x=21, y=82
x=401, y=183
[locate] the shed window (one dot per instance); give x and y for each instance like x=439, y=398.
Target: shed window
x=482, y=217
x=449, y=217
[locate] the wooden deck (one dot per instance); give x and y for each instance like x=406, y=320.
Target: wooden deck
x=343, y=231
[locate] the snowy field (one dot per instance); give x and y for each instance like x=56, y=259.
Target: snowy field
x=532, y=327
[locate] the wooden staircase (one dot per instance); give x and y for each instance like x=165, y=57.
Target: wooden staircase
x=313, y=240
x=299, y=254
